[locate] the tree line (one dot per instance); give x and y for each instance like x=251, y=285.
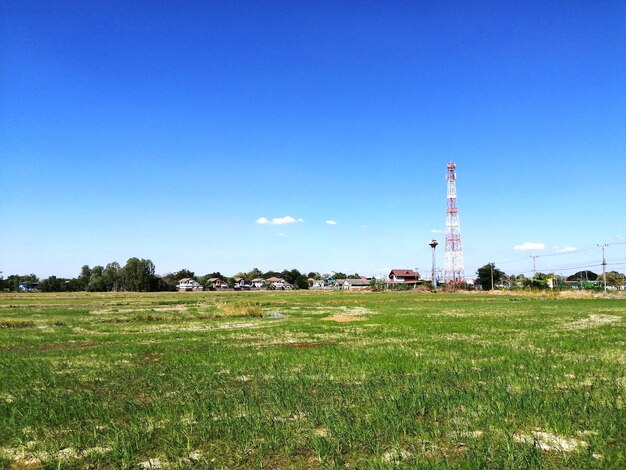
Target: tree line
x=490, y=277
x=138, y=275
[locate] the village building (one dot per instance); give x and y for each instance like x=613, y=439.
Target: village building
x=217, y=283
x=354, y=283
x=188, y=284
x=278, y=283
x=404, y=276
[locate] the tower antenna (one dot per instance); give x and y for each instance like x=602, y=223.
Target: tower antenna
x=454, y=270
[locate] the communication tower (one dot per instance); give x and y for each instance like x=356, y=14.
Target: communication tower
x=454, y=270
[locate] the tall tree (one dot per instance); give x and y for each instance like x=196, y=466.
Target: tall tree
x=111, y=276
x=484, y=276
x=96, y=280
x=84, y=276
x=138, y=275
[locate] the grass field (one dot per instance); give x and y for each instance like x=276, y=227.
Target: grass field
x=311, y=380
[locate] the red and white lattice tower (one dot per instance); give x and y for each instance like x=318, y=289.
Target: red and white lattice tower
x=454, y=270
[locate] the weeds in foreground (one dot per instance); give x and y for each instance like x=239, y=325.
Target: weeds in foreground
x=16, y=324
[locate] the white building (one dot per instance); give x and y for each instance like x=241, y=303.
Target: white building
x=188, y=284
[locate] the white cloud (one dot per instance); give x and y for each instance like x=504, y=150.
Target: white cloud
x=283, y=220
x=281, y=234
x=278, y=220
x=331, y=222
x=530, y=246
x=436, y=230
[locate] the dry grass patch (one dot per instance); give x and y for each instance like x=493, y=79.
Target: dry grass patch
x=550, y=442
x=16, y=324
x=241, y=310
x=592, y=321
x=305, y=345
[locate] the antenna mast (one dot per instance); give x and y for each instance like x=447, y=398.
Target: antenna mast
x=454, y=270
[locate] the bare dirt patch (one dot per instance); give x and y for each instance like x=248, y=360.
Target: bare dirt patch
x=344, y=318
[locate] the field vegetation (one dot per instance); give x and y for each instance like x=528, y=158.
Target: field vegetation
x=311, y=380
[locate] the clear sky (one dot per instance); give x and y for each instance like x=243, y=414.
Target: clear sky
x=169, y=130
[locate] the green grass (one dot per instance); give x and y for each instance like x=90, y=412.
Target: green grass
x=312, y=380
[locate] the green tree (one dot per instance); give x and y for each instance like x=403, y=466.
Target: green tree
x=111, y=277
x=484, y=276
x=12, y=282
x=51, y=284
x=254, y=273
x=72, y=285
x=295, y=278
x=204, y=280
x=583, y=276
x=614, y=279
x=138, y=275
x=183, y=273
x=96, y=280
x=538, y=281
x=84, y=276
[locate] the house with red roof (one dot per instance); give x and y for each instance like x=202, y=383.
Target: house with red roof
x=404, y=276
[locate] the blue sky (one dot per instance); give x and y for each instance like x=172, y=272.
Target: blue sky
x=166, y=130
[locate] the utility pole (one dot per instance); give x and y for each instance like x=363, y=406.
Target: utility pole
x=603, y=246
x=433, y=244
x=491, y=265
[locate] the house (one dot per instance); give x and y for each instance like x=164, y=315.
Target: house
x=278, y=283
x=217, y=283
x=355, y=283
x=404, y=276
x=240, y=283
x=257, y=283
x=327, y=282
x=188, y=284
